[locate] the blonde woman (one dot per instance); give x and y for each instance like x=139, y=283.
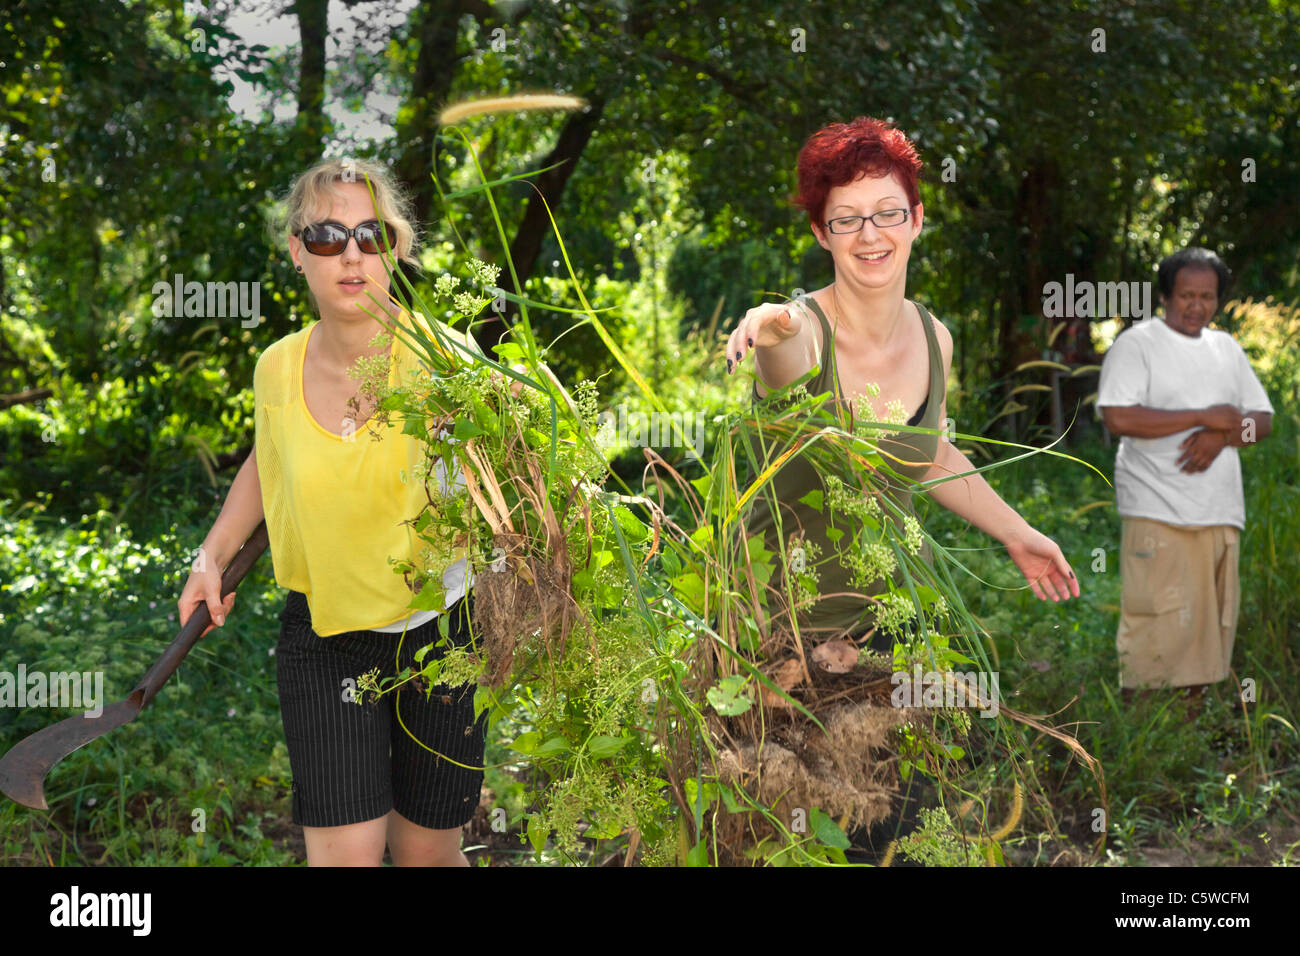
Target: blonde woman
x=334, y=500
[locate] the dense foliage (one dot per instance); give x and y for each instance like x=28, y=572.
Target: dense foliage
x=1050, y=150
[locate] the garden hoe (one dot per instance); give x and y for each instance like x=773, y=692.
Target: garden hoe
x=24, y=768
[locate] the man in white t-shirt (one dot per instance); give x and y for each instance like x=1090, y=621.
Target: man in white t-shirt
x=1184, y=399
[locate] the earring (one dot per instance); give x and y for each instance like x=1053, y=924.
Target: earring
x=299, y=268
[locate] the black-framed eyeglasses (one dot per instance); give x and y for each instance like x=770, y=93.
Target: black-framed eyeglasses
x=331, y=238
x=881, y=220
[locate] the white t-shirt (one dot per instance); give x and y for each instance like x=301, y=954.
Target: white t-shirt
x=1150, y=364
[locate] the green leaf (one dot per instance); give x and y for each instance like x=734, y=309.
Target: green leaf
x=633, y=529
x=690, y=589
x=430, y=598
x=466, y=429
x=602, y=747
x=692, y=787
x=525, y=743
x=748, y=635
x=698, y=855
x=537, y=832
x=926, y=594
x=757, y=548
x=729, y=800
x=482, y=700
x=826, y=830
x=728, y=697
x=607, y=830
x=813, y=500
x=556, y=745
x=485, y=416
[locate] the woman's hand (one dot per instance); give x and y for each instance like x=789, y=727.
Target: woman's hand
x=204, y=587
x=764, y=326
x=1043, y=564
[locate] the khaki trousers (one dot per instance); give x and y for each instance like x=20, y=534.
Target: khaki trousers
x=1178, y=617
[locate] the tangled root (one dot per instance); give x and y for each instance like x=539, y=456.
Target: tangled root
x=527, y=596
x=784, y=761
x=847, y=772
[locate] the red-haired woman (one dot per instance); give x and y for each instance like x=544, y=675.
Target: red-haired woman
x=858, y=183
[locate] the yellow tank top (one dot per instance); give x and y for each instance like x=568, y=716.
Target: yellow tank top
x=335, y=503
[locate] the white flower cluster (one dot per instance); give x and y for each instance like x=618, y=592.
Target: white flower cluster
x=894, y=612
x=839, y=498
x=801, y=563
x=874, y=562
x=865, y=419
x=484, y=274
x=586, y=396
x=445, y=286
x=469, y=303
x=912, y=534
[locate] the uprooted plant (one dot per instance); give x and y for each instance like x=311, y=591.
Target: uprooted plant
x=647, y=642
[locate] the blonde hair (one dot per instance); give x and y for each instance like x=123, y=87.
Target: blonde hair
x=318, y=185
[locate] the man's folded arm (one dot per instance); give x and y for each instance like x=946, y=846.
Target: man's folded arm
x=1139, y=421
x=1247, y=435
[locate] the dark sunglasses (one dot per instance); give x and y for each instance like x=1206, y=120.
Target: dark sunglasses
x=331, y=238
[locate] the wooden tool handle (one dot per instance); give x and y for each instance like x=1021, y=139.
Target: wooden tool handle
x=171, y=658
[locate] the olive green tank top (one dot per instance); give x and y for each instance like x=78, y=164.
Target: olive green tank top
x=798, y=477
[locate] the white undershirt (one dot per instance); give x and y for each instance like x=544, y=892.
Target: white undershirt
x=453, y=581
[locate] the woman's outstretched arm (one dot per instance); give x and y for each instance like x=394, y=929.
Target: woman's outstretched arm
x=240, y=514
x=1038, y=556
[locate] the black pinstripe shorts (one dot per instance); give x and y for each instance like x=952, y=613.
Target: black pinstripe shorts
x=355, y=762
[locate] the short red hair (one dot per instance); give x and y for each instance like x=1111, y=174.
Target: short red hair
x=838, y=154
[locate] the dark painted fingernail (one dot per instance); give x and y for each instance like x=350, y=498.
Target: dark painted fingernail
x=751, y=343
x=737, y=355
x=1071, y=574
x=728, y=366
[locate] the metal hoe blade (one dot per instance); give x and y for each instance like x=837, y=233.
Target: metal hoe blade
x=24, y=768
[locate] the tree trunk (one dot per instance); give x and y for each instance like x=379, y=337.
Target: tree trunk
x=533, y=229
x=311, y=125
